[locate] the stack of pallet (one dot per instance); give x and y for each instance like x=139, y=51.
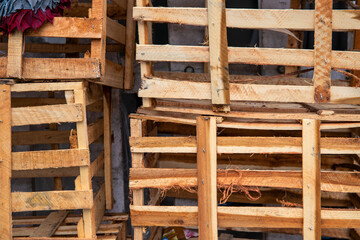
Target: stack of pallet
x=60, y=109
x=288, y=146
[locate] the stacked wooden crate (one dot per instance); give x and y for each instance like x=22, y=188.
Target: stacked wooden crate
x=59, y=110
x=282, y=141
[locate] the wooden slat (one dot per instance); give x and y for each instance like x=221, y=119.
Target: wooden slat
x=99, y=205
x=173, y=89
x=69, y=27
x=322, y=50
x=47, y=114
x=269, y=217
x=206, y=169
x=59, y=68
x=30, y=102
x=167, y=178
x=49, y=226
x=115, y=31
x=290, y=145
x=50, y=159
x=129, y=77
x=114, y=75
x=218, y=55
x=97, y=166
x=95, y=130
x=14, y=56
x=46, y=87
x=52, y=200
x=303, y=20
x=120, y=3
x=311, y=179
x=257, y=56
x=107, y=147
x=40, y=137
x=5, y=162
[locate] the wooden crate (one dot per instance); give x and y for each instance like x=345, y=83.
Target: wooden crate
x=112, y=227
x=216, y=84
x=67, y=156
x=276, y=149
x=95, y=21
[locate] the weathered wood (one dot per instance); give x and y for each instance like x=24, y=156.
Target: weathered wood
x=311, y=179
x=129, y=77
x=99, y=205
x=97, y=166
x=46, y=87
x=50, y=159
x=302, y=20
x=14, y=56
x=47, y=114
x=269, y=217
x=167, y=178
x=289, y=145
x=69, y=27
x=322, y=50
x=95, y=130
x=206, y=174
x=115, y=31
x=30, y=102
x=5, y=162
x=107, y=147
x=50, y=224
x=52, y=200
x=218, y=55
x=257, y=56
x=114, y=75
x=173, y=89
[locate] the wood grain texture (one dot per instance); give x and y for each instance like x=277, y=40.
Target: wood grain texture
x=311, y=179
x=115, y=31
x=51, y=223
x=129, y=77
x=322, y=50
x=206, y=174
x=15, y=53
x=5, y=163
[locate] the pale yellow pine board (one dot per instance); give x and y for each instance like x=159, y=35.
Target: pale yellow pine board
x=51, y=223
x=15, y=52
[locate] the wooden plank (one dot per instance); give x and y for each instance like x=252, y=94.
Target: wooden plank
x=95, y=130
x=206, y=171
x=129, y=78
x=49, y=226
x=167, y=178
x=81, y=9
x=257, y=56
x=302, y=20
x=5, y=162
x=115, y=31
x=60, y=68
x=136, y=127
x=40, y=137
x=29, y=101
x=173, y=89
x=14, y=56
x=47, y=114
x=99, y=206
x=289, y=145
x=269, y=217
x=322, y=50
x=107, y=147
x=114, y=75
x=97, y=166
x=120, y=3
x=69, y=27
x=218, y=55
x=50, y=159
x=46, y=87
x=52, y=200
x=311, y=179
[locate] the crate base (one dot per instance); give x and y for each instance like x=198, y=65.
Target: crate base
x=113, y=227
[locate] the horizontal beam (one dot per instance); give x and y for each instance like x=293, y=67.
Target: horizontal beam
x=47, y=114
x=257, y=56
x=343, y=20
x=95, y=130
x=52, y=200
x=69, y=27
x=46, y=87
x=280, y=145
x=167, y=178
x=173, y=89
x=50, y=159
x=40, y=137
x=115, y=31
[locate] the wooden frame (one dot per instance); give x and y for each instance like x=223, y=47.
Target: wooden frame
x=94, y=24
x=323, y=20
x=75, y=161
x=185, y=141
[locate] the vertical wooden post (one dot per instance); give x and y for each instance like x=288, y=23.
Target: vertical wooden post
x=107, y=147
x=130, y=46
x=311, y=179
x=292, y=42
x=355, y=82
x=322, y=50
x=136, y=126
x=219, y=66
x=85, y=172
x=15, y=51
x=144, y=38
x=5, y=163
x=206, y=166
